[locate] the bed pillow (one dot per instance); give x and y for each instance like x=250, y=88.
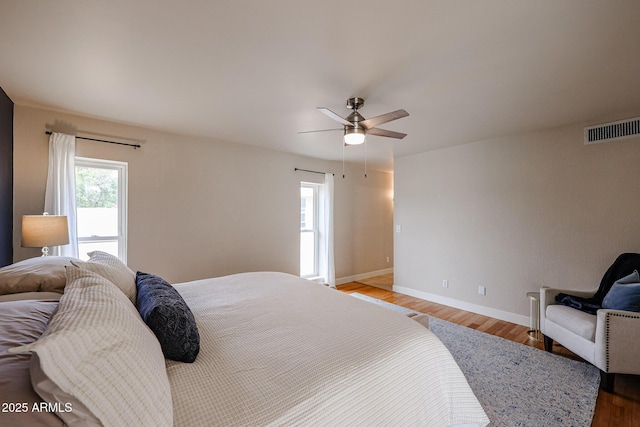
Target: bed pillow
x=97, y=351
x=113, y=269
x=169, y=317
x=40, y=296
x=624, y=294
x=22, y=322
x=40, y=274
x=116, y=275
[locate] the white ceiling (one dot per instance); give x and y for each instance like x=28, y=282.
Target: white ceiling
x=253, y=72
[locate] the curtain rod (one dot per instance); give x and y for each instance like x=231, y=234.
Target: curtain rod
x=307, y=170
x=135, y=146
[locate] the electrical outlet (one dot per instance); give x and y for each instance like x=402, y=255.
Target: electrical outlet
x=445, y=283
x=482, y=290
x=388, y=259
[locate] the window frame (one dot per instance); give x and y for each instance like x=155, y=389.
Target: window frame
x=315, y=229
x=122, y=169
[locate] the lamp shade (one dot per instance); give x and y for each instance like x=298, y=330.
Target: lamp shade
x=44, y=230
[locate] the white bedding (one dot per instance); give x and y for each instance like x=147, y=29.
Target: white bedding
x=280, y=350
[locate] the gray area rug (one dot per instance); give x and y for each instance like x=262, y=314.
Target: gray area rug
x=517, y=385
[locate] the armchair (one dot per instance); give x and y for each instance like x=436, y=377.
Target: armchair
x=609, y=339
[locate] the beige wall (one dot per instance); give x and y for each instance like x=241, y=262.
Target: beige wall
x=200, y=207
x=514, y=214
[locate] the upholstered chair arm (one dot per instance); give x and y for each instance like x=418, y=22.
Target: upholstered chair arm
x=548, y=297
x=618, y=341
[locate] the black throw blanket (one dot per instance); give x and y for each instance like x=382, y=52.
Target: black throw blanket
x=624, y=265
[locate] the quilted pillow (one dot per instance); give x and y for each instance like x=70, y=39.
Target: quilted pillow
x=97, y=352
x=169, y=317
x=624, y=294
x=118, y=276
x=114, y=270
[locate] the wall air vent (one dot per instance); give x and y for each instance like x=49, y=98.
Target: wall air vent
x=611, y=131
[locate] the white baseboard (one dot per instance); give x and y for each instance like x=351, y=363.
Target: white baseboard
x=355, y=278
x=463, y=305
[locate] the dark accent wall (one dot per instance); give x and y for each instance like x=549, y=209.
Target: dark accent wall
x=6, y=179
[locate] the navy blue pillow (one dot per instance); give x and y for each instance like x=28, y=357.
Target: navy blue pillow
x=624, y=294
x=168, y=316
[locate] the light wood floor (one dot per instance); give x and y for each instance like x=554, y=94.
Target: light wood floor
x=618, y=409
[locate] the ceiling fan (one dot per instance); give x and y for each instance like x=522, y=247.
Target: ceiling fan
x=357, y=127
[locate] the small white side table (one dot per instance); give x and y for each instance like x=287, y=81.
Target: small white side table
x=534, y=316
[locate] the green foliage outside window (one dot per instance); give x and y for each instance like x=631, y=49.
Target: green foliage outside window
x=96, y=188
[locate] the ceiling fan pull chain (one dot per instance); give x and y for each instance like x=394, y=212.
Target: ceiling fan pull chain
x=365, y=158
x=343, y=144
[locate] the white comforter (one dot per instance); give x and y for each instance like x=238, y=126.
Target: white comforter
x=280, y=350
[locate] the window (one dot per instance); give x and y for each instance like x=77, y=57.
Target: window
x=101, y=203
x=309, y=233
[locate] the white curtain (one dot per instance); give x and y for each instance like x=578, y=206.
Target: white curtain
x=60, y=196
x=327, y=264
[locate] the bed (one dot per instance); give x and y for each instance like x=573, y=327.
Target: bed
x=273, y=349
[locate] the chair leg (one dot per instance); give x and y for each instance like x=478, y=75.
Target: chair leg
x=548, y=343
x=606, y=381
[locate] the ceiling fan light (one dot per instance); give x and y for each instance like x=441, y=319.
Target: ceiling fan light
x=354, y=136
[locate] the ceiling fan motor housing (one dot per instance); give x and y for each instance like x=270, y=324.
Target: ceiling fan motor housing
x=354, y=118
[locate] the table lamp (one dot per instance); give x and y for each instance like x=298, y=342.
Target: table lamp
x=44, y=231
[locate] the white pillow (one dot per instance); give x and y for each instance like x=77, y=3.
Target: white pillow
x=126, y=277
x=97, y=351
x=116, y=275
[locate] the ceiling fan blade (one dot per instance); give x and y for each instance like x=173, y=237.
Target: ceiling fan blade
x=384, y=118
x=320, y=130
x=334, y=116
x=387, y=133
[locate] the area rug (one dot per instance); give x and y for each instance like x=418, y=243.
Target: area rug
x=517, y=385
